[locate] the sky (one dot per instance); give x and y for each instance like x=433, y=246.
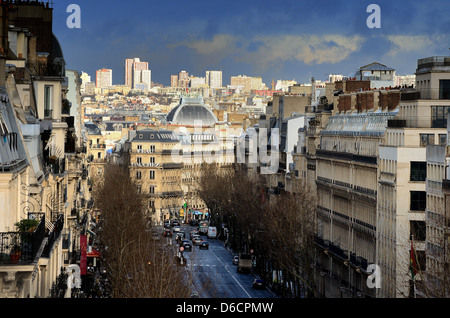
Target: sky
x=276, y=40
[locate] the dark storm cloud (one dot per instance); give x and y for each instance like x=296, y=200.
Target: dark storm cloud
x=266, y=38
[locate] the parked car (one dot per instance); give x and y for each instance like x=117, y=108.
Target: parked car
x=235, y=260
x=259, y=283
x=203, y=244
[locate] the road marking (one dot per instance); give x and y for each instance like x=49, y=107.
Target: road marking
x=235, y=279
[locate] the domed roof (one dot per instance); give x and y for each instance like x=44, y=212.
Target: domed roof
x=191, y=111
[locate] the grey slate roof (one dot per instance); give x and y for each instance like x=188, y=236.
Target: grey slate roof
x=151, y=135
x=376, y=67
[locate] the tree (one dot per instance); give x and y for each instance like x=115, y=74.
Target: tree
x=279, y=229
x=137, y=265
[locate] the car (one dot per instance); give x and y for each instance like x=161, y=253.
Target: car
x=193, y=222
x=175, y=223
x=203, y=244
x=259, y=283
x=196, y=240
x=195, y=236
x=167, y=232
x=180, y=236
x=187, y=246
x=193, y=233
x=235, y=260
x=184, y=241
x=176, y=228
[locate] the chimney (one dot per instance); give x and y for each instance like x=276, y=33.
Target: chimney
x=32, y=55
x=352, y=102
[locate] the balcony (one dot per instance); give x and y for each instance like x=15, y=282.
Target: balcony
x=57, y=165
x=172, y=193
x=347, y=156
x=98, y=146
x=172, y=165
x=21, y=247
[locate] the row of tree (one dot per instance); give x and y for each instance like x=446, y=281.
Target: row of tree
x=136, y=264
x=277, y=229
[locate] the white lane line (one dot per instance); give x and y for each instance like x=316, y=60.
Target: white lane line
x=235, y=279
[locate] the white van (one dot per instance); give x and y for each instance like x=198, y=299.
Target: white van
x=212, y=232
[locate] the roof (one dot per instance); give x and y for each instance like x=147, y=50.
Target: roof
x=375, y=66
x=152, y=135
x=92, y=129
x=191, y=111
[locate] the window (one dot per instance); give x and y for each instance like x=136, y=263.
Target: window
x=417, y=230
x=138, y=175
x=426, y=139
x=48, y=101
x=442, y=139
x=139, y=147
x=418, y=171
x=152, y=159
x=152, y=189
x=152, y=174
x=151, y=204
x=139, y=160
x=152, y=148
x=418, y=200
x=439, y=116
x=444, y=89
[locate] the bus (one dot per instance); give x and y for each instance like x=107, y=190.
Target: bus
x=203, y=227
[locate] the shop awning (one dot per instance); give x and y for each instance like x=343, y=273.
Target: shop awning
x=93, y=253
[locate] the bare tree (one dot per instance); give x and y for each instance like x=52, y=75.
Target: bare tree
x=137, y=265
x=290, y=228
x=279, y=230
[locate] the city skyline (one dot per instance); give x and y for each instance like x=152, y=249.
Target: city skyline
x=287, y=40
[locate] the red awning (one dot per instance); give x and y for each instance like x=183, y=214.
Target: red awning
x=93, y=253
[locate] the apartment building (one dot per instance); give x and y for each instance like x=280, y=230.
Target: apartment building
x=103, y=78
x=410, y=186
x=346, y=180
x=149, y=155
x=41, y=167
x=213, y=79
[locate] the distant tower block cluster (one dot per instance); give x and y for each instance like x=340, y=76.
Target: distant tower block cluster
x=137, y=74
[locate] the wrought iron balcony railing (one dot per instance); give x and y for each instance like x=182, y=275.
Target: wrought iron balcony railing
x=21, y=247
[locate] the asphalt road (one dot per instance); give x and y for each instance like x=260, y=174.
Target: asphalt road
x=213, y=275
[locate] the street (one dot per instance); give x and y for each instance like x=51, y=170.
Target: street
x=213, y=275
